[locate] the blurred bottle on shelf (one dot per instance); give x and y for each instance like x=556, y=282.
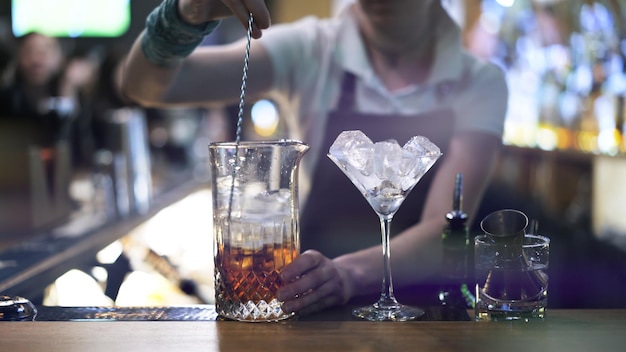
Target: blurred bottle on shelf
x=454, y=294
x=566, y=64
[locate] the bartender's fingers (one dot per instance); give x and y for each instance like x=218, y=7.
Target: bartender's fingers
x=304, y=263
x=306, y=284
x=242, y=10
x=261, y=14
x=326, y=302
x=322, y=297
x=313, y=283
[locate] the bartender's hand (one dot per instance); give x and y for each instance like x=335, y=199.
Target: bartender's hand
x=201, y=11
x=314, y=282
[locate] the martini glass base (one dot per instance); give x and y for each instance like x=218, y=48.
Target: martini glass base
x=395, y=312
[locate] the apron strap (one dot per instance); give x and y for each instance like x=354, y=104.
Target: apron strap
x=348, y=92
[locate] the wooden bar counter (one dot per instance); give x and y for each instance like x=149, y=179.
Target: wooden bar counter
x=562, y=330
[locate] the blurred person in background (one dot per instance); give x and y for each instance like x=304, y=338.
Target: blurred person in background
x=391, y=68
x=43, y=86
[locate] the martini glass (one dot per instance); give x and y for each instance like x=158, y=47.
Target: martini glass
x=384, y=173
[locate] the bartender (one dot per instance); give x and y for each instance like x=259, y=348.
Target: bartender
x=391, y=68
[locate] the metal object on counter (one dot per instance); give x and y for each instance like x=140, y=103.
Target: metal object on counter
x=16, y=309
x=505, y=224
x=34, y=186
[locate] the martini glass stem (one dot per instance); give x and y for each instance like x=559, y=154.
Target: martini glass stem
x=387, y=308
x=387, y=299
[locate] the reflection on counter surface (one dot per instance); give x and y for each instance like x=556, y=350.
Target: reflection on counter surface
x=130, y=225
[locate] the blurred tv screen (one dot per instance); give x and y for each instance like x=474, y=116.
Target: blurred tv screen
x=71, y=18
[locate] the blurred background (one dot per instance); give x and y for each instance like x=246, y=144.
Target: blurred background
x=76, y=157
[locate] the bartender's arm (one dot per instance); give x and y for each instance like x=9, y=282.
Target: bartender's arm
x=209, y=74
x=415, y=253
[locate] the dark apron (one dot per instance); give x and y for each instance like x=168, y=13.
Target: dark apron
x=336, y=218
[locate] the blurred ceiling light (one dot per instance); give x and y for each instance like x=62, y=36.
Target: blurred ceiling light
x=506, y=3
x=264, y=117
x=547, y=139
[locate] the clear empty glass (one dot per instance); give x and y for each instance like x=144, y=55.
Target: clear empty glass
x=511, y=269
x=515, y=286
